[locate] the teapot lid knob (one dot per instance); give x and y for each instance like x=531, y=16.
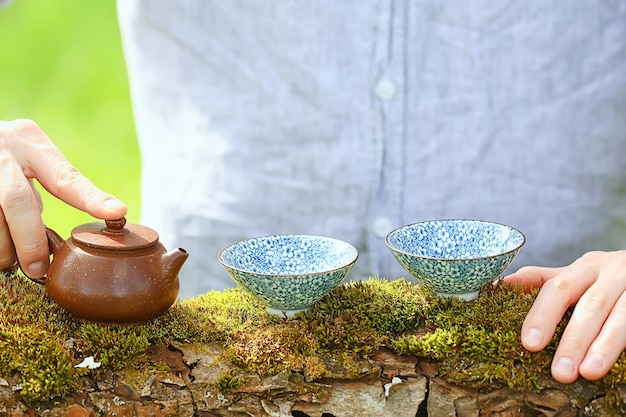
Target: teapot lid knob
x=117, y=224
x=115, y=235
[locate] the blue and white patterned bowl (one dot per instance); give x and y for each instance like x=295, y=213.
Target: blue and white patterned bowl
x=289, y=273
x=455, y=257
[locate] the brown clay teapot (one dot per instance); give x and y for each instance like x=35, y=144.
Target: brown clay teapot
x=112, y=272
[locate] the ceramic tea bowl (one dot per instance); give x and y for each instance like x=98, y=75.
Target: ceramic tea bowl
x=455, y=257
x=288, y=273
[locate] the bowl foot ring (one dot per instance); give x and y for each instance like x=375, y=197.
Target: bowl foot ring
x=467, y=296
x=281, y=312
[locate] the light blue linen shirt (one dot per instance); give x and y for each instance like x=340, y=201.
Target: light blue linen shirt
x=350, y=118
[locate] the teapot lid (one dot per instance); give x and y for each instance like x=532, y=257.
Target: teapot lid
x=112, y=235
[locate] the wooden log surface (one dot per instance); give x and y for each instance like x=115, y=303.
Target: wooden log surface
x=190, y=389
x=173, y=374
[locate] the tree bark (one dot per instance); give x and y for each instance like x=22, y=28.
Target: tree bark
x=390, y=385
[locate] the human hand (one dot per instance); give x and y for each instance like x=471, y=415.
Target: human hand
x=26, y=153
x=595, y=335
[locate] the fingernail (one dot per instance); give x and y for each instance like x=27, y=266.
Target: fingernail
x=593, y=361
x=37, y=268
x=533, y=337
x=113, y=203
x=564, y=367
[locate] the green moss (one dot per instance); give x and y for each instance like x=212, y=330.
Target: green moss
x=182, y=322
x=140, y=368
x=438, y=344
x=314, y=368
x=22, y=302
x=42, y=363
x=228, y=382
x=476, y=343
x=360, y=316
x=113, y=346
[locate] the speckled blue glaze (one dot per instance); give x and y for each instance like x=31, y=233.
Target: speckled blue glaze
x=455, y=257
x=289, y=272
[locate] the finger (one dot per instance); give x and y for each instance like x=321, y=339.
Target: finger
x=586, y=323
x=554, y=298
x=23, y=217
x=7, y=252
x=532, y=276
x=608, y=346
x=41, y=159
x=37, y=195
x=69, y=185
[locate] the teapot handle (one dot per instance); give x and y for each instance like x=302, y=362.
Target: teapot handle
x=54, y=241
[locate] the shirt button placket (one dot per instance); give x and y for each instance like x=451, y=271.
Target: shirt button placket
x=388, y=93
x=382, y=226
x=385, y=89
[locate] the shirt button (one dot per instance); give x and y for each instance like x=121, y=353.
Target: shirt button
x=382, y=226
x=385, y=89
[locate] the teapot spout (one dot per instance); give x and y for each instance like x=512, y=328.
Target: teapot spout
x=173, y=261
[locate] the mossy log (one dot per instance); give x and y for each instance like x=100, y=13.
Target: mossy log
x=370, y=348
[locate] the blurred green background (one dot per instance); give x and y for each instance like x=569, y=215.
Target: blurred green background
x=61, y=65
